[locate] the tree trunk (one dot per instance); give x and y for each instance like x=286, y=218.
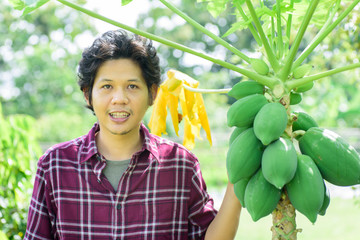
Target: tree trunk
x=284, y=225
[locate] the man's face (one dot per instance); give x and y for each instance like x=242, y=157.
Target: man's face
x=120, y=97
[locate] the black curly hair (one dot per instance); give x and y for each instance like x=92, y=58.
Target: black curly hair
x=114, y=45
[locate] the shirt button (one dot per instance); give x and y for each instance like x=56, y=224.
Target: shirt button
x=118, y=206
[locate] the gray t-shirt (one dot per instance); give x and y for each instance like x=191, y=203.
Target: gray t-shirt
x=114, y=170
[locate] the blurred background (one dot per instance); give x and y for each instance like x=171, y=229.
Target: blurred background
x=41, y=104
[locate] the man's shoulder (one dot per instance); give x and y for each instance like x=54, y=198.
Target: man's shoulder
x=68, y=150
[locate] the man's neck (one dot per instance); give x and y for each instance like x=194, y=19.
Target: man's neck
x=118, y=147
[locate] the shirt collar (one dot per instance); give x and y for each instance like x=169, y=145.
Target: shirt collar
x=89, y=148
x=150, y=142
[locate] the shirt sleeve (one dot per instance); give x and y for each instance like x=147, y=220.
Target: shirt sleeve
x=201, y=209
x=39, y=220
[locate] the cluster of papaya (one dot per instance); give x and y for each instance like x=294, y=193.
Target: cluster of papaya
x=273, y=151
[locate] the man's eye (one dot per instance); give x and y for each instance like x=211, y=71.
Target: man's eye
x=106, y=86
x=132, y=86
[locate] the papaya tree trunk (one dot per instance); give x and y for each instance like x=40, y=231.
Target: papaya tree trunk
x=284, y=225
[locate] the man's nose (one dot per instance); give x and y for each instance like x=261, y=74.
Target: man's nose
x=120, y=97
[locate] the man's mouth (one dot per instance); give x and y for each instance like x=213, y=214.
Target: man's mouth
x=119, y=114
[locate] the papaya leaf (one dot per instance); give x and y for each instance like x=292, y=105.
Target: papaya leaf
x=17, y=4
x=236, y=26
x=27, y=6
x=125, y=2
x=216, y=7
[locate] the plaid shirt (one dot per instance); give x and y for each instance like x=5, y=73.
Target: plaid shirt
x=161, y=195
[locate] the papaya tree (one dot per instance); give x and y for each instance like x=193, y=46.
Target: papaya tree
x=278, y=158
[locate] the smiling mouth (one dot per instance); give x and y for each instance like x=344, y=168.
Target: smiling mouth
x=119, y=114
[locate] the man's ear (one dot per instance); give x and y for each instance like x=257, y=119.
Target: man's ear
x=86, y=96
x=154, y=91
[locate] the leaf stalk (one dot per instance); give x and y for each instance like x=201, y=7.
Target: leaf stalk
x=320, y=37
x=205, y=31
x=298, y=82
x=285, y=71
x=270, y=54
x=206, y=91
x=251, y=27
x=279, y=30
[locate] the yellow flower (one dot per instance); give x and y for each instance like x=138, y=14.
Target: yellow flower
x=191, y=103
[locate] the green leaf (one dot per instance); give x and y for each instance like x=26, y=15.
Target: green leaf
x=236, y=26
x=216, y=7
x=17, y=4
x=27, y=6
x=125, y=2
x=3, y=236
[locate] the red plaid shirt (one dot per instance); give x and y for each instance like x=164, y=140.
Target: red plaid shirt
x=161, y=195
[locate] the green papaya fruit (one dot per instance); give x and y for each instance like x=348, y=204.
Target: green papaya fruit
x=236, y=132
x=242, y=112
x=239, y=189
x=246, y=88
x=303, y=122
x=337, y=160
x=244, y=156
x=306, y=190
x=295, y=98
x=270, y=122
x=301, y=71
x=305, y=87
x=261, y=197
x=260, y=66
x=326, y=202
x=279, y=162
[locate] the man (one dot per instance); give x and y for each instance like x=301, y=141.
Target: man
x=119, y=181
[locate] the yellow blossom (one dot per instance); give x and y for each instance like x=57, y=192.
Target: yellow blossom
x=192, y=105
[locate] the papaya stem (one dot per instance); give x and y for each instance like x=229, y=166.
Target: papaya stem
x=298, y=82
x=270, y=54
x=297, y=133
x=205, y=31
x=250, y=26
x=199, y=90
x=285, y=71
x=284, y=224
x=320, y=37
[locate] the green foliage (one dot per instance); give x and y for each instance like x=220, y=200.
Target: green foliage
x=216, y=7
x=334, y=101
x=27, y=6
x=38, y=59
x=18, y=154
x=125, y=2
x=63, y=126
